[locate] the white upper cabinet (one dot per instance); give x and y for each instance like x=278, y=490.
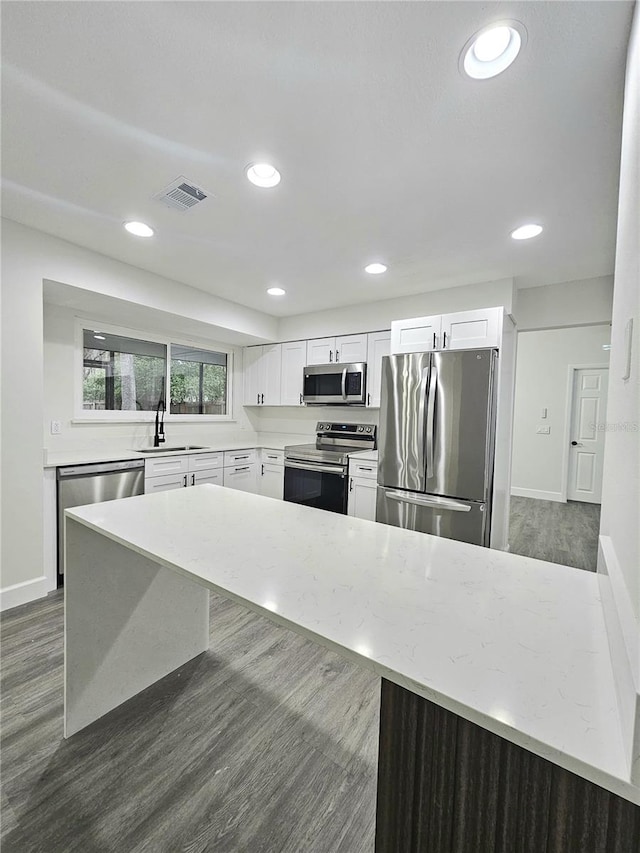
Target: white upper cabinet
x=418, y=334
x=320, y=350
x=294, y=359
x=262, y=375
x=347, y=348
x=462, y=330
x=472, y=329
x=351, y=348
x=378, y=345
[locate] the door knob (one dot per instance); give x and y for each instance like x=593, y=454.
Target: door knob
x=576, y=444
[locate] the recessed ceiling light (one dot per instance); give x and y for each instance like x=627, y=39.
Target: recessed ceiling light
x=493, y=49
x=375, y=269
x=139, y=229
x=100, y=337
x=263, y=175
x=276, y=291
x=526, y=232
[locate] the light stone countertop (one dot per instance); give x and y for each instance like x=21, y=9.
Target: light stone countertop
x=365, y=455
x=516, y=645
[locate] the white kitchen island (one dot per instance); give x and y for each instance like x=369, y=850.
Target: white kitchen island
x=514, y=647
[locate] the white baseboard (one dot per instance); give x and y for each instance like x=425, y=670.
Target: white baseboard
x=537, y=494
x=623, y=630
x=23, y=593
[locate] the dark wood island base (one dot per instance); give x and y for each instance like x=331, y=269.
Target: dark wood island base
x=446, y=785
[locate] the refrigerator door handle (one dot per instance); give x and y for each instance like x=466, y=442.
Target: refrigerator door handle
x=422, y=500
x=421, y=418
x=430, y=423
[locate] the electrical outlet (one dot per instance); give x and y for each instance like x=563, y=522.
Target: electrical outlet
x=56, y=427
x=543, y=430
x=543, y=413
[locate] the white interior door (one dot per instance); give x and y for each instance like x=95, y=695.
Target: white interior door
x=586, y=453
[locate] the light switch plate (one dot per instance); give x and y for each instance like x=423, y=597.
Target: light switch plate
x=543, y=430
x=56, y=427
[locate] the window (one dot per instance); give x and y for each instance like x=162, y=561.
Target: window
x=124, y=376
x=198, y=381
x=121, y=374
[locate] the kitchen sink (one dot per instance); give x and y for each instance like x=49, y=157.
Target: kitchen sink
x=171, y=449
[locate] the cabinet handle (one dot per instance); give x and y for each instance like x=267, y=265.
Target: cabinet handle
x=368, y=399
x=434, y=340
x=301, y=398
x=262, y=471
x=246, y=468
x=362, y=468
x=262, y=399
x=258, y=399
x=330, y=355
x=337, y=356
x=444, y=340
x=193, y=479
x=350, y=484
x=271, y=457
x=184, y=481
x=240, y=457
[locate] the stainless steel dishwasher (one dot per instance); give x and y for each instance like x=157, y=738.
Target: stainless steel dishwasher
x=91, y=484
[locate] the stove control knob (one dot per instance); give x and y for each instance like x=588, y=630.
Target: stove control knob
x=360, y=429
x=368, y=429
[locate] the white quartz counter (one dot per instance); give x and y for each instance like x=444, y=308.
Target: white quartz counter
x=365, y=455
x=55, y=459
x=516, y=645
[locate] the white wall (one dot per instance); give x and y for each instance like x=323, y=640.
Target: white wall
x=59, y=366
x=378, y=315
x=539, y=461
x=30, y=257
x=621, y=488
x=585, y=302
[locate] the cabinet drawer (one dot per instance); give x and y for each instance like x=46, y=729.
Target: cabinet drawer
x=366, y=470
x=163, y=484
x=166, y=465
x=272, y=457
x=213, y=475
x=205, y=461
x=242, y=477
x=239, y=457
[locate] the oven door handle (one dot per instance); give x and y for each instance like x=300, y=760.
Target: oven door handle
x=315, y=466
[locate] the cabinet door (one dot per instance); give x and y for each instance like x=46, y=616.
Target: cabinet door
x=213, y=475
x=269, y=375
x=418, y=334
x=351, y=348
x=163, y=484
x=361, y=502
x=378, y=345
x=251, y=372
x=471, y=329
x=242, y=477
x=294, y=359
x=272, y=480
x=321, y=351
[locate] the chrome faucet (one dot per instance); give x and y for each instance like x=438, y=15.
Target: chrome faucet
x=159, y=438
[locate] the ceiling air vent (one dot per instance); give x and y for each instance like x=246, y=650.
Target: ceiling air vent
x=181, y=194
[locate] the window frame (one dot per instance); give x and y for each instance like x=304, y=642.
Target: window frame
x=82, y=415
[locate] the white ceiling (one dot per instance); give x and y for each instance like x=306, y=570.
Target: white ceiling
x=386, y=151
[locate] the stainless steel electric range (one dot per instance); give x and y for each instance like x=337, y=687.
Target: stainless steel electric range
x=317, y=474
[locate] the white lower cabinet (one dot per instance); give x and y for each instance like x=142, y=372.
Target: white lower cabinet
x=272, y=474
x=165, y=482
x=242, y=477
x=214, y=475
x=363, y=487
x=179, y=472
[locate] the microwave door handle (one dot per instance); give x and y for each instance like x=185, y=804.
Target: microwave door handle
x=344, y=383
x=431, y=416
x=422, y=500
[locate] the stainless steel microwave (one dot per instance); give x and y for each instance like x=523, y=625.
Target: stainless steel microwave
x=335, y=384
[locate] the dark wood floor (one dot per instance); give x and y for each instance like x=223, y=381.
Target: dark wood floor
x=265, y=744
x=564, y=533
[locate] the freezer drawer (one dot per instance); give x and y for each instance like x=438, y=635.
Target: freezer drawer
x=464, y=521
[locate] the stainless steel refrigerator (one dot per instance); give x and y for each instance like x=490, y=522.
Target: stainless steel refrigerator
x=436, y=443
